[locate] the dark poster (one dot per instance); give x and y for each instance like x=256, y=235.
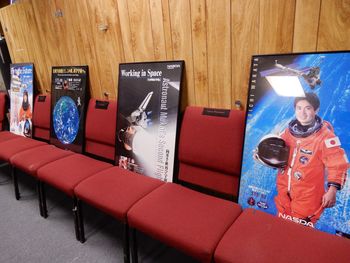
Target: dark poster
x=68, y=102
x=21, y=98
x=297, y=139
x=148, y=106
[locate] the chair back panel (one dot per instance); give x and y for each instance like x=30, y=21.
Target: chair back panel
x=101, y=128
x=41, y=117
x=210, y=148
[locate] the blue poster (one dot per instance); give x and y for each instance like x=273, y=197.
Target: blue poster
x=21, y=99
x=297, y=139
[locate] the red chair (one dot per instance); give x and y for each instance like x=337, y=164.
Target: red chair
x=114, y=191
x=4, y=135
x=66, y=173
x=41, y=120
x=260, y=237
x=209, y=151
x=41, y=117
x=29, y=154
x=100, y=135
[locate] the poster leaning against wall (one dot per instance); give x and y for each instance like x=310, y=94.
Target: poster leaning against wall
x=21, y=98
x=297, y=139
x=148, y=106
x=69, y=95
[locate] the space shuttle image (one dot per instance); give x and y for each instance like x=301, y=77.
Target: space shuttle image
x=139, y=117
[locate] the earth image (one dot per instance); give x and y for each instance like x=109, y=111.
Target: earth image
x=66, y=120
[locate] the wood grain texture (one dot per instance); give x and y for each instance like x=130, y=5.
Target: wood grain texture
x=276, y=24
x=215, y=38
x=334, y=28
x=307, y=14
x=181, y=36
x=200, y=54
x=245, y=39
x=141, y=30
x=219, y=53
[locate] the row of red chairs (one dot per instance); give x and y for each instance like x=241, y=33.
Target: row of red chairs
x=204, y=226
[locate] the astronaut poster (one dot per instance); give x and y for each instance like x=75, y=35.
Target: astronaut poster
x=68, y=102
x=297, y=139
x=21, y=99
x=148, y=106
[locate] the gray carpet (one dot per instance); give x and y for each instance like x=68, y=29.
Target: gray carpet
x=27, y=237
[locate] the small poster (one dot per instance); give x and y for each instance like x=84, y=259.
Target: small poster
x=297, y=141
x=148, y=106
x=68, y=102
x=21, y=99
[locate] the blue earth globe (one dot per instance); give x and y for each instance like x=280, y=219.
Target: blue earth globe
x=66, y=120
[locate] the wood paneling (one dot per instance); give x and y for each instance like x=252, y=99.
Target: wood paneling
x=307, y=15
x=334, y=27
x=216, y=38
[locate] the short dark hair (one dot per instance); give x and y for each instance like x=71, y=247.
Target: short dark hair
x=310, y=97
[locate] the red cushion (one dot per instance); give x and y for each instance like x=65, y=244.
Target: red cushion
x=101, y=129
x=185, y=219
x=42, y=133
x=99, y=149
x=260, y=237
x=212, y=142
x=11, y=147
x=210, y=150
x=115, y=190
x=209, y=179
x=42, y=111
x=6, y=135
x=66, y=173
x=42, y=117
x=31, y=160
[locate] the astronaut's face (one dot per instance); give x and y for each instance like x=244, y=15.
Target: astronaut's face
x=305, y=112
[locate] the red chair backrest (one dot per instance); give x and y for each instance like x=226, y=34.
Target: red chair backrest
x=2, y=109
x=101, y=128
x=210, y=149
x=41, y=117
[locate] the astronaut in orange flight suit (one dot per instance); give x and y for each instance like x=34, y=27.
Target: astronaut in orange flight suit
x=314, y=153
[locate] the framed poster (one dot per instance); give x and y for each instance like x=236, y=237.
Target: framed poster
x=297, y=139
x=148, y=106
x=21, y=98
x=68, y=103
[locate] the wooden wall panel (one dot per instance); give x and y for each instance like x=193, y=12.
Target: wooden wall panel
x=200, y=54
x=215, y=38
x=245, y=39
x=334, y=27
x=276, y=26
x=141, y=30
x=219, y=53
x=181, y=36
x=307, y=14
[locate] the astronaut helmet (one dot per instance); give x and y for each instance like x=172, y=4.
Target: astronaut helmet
x=272, y=151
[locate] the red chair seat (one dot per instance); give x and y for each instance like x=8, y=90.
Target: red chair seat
x=260, y=237
x=31, y=160
x=66, y=173
x=6, y=135
x=12, y=147
x=115, y=190
x=185, y=219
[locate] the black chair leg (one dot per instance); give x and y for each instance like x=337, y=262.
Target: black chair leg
x=134, y=256
x=15, y=182
x=42, y=198
x=38, y=189
x=80, y=221
x=126, y=243
x=76, y=220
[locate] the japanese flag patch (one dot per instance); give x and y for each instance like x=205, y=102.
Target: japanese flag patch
x=332, y=142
